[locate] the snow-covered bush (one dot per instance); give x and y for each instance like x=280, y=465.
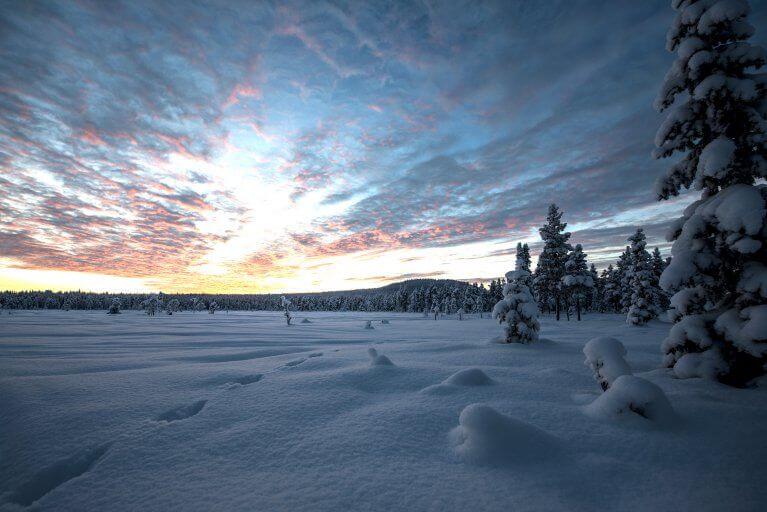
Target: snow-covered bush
x=114, y=307
x=606, y=358
x=485, y=436
x=518, y=310
x=719, y=253
x=633, y=397
x=369, y=325
x=645, y=293
x=377, y=359
x=212, y=307
x=577, y=282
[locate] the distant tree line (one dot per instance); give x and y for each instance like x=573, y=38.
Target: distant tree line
x=447, y=296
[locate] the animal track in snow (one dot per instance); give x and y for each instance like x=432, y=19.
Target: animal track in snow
x=57, y=474
x=244, y=380
x=181, y=412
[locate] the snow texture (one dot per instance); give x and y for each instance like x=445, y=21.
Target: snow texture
x=298, y=419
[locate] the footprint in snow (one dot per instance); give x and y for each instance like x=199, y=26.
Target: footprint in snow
x=56, y=475
x=181, y=412
x=244, y=381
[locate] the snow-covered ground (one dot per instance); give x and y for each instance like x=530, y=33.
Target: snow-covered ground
x=240, y=412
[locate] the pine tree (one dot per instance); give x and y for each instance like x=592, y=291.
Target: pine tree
x=623, y=277
x=645, y=295
x=719, y=253
x=523, y=257
x=612, y=289
x=658, y=266
x=577, y=282
x=551, y=262
x=595, y=300
x=518, y=310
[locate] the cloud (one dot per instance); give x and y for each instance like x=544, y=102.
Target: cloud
x=128, y=130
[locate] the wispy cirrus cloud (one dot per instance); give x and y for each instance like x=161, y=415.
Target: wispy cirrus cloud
x=228, y=142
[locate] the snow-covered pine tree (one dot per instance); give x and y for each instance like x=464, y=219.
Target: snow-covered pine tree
x=577, y=282
x=645, y=295
x=595, y=298
x=623, y=276
x=719, y=266
x=523, y=257
x=518, y=310
x=172, y=306
x=286, y=307
x=551, y=262
x=611, y=297
x=114, y=307
x=658, y=266
x=151, y=305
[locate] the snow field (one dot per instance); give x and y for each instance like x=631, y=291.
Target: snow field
x=240, y=411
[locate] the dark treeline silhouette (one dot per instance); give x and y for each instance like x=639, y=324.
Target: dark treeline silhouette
x=417, y=295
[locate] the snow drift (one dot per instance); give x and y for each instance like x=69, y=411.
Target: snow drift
x=485, y=436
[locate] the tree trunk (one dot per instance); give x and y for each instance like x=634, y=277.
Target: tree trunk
x=578, y=308
x=556, y=307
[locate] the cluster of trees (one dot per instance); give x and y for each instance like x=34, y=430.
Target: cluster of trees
x=563, y=280
x=716, y=98
x=423, y=295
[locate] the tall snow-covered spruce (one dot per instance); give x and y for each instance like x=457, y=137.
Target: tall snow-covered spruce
x=551, y=262
x=645, y=294
x=518, y=310
x=717, y=121
x=577, y=282
x=523, y=261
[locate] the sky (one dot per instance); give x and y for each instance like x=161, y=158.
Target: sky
x=244, y=147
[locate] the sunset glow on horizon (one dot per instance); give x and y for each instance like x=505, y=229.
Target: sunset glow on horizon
x=245, y=148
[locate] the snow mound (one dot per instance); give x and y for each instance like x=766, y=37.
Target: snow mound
x=485, y=436
x=306, y=321
x=633, y=397
x=469, y=377
x=369, y=325
x=377, y=359
x=605, y=356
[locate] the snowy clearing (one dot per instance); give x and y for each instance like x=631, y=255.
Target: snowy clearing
x=240, y=412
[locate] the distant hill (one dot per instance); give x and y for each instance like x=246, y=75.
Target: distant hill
x=408, y=285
